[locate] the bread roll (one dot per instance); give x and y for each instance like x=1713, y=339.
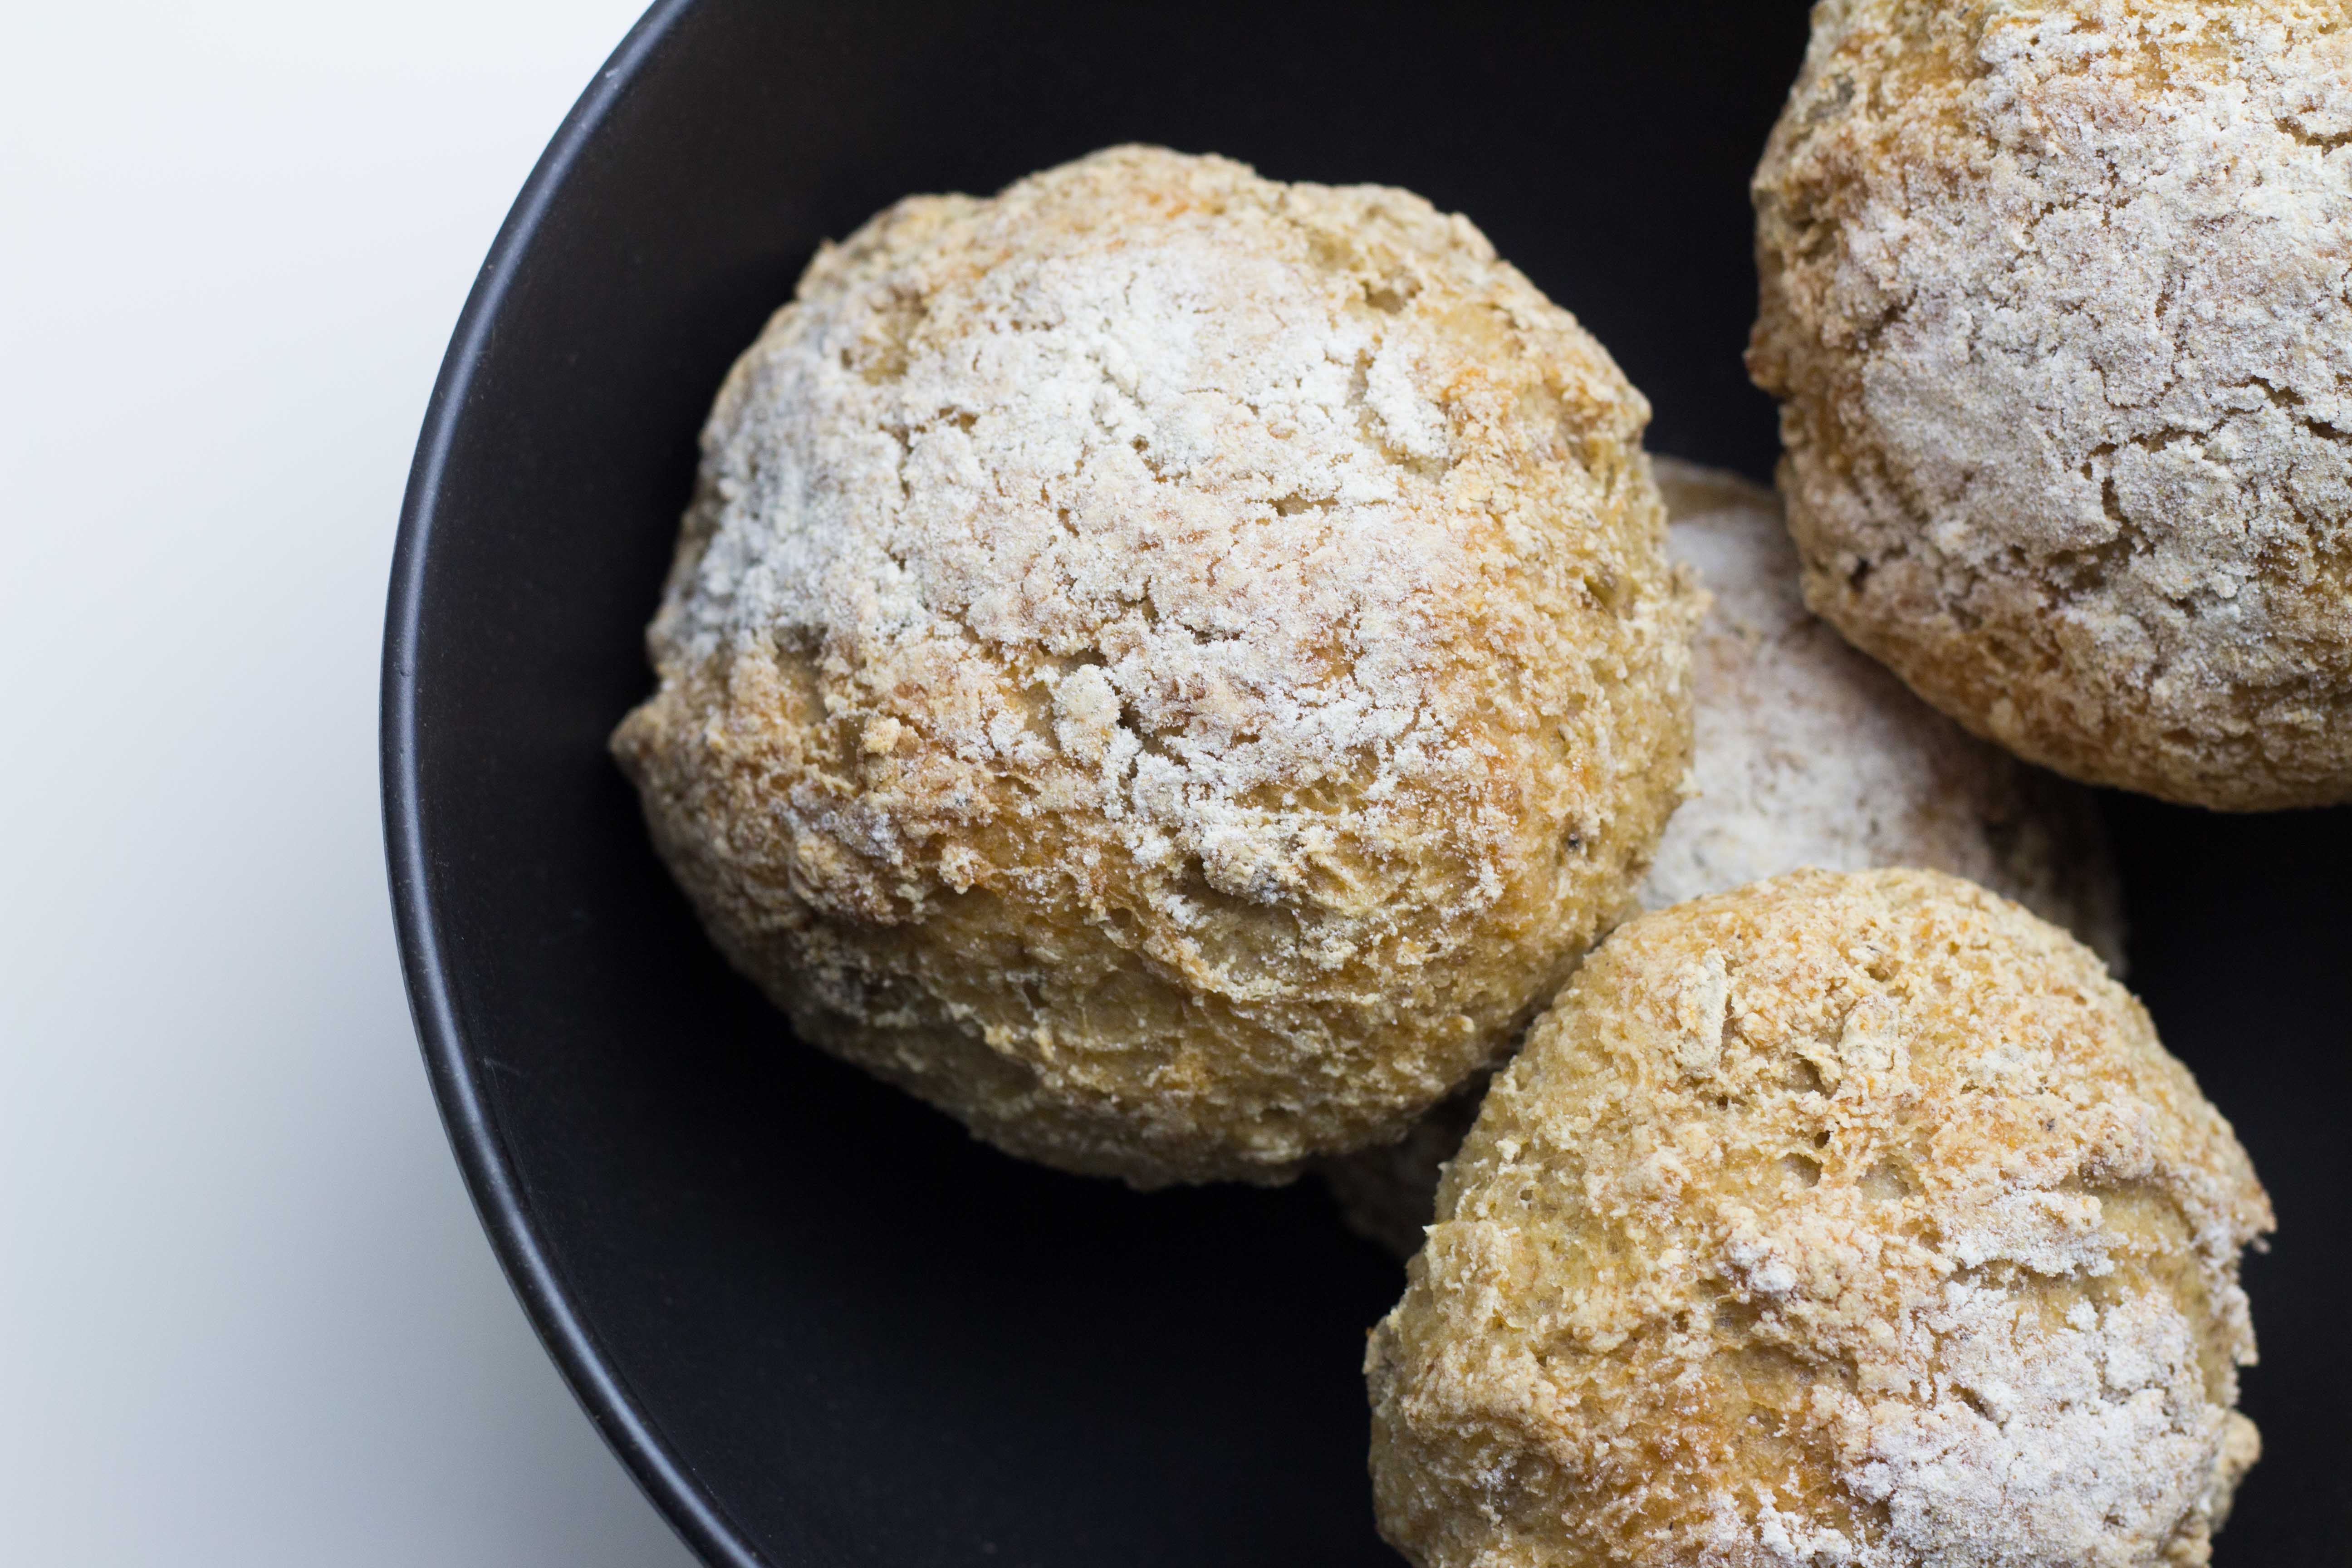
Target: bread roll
x=1169, y=667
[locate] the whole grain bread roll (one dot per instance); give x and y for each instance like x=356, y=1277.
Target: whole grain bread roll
x=2052, y=297
x=1854, y=1219
x=1168, y=666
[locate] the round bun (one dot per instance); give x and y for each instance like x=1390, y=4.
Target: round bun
x=1808, y=754
x=1168, y=666
x=1851, y=1219
x=2054, y=298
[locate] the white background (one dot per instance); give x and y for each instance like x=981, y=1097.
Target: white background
x=245, y=1314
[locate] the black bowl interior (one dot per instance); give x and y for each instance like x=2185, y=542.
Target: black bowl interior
x=822, y=1325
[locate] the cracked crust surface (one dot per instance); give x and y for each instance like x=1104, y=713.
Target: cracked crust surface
x=2058, y=301
x=1843, y=1219
x=1168, y=666
x=1808, y=754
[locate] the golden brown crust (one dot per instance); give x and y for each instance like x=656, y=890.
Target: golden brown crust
x=1852, y=1220
x=1167, y=666
x=2052, y=295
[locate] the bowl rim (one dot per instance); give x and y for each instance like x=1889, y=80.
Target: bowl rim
x=501, y=1198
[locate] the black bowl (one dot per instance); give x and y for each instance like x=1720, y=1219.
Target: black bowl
x=821, y=1324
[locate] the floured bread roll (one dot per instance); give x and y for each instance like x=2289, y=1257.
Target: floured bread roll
x=2052, y=294
x=1808, y=754
x=1853, y=1219
x=1168, y=666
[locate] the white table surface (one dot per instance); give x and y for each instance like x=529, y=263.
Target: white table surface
x=245, y=1314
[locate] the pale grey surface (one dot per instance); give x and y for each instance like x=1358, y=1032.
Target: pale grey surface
x=245, y=1314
